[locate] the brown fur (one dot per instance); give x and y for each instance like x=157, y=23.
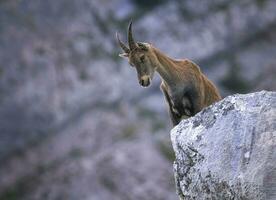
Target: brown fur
x=186, y=89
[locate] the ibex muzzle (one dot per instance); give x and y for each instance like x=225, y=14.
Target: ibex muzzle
x=144, y=81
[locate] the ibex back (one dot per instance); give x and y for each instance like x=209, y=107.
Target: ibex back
x=186, y=89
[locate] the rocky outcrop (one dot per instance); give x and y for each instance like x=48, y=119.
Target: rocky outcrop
x=228, y=151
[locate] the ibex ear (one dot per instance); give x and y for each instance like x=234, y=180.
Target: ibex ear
x=143, y=46
x=123, y=55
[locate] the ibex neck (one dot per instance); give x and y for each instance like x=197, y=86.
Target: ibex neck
x=167, y=68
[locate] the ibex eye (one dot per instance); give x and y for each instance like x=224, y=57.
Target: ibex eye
x=142, y=58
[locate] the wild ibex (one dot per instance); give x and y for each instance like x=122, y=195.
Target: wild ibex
x=186, y=89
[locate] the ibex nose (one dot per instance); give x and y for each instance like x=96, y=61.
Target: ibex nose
x=145, y=81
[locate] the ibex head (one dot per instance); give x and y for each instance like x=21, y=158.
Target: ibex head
x=141, y=56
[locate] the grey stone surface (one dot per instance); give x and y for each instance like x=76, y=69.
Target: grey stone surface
x=228, y=151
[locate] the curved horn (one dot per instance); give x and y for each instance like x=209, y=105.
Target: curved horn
x=131, y=42
x=124, y=47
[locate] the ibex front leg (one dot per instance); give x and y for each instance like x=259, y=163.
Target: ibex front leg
x=185, y=109
x=174, y=115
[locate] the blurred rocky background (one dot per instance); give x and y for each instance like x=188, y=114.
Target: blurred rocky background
x=75, y=124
